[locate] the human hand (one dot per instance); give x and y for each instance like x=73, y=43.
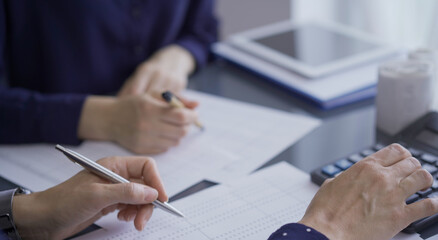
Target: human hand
x=368, y=200
x=142, y=124
x=166, y=70
x=73, y=205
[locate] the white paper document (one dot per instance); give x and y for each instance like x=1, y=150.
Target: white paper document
x=250, y=208
x=238, y=138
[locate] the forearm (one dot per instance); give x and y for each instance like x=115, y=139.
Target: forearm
x=31, y=217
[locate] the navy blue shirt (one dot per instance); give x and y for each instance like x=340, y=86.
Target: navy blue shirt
x=54, y=53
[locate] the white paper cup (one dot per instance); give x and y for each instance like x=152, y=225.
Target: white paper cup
x=404, y=93
x=425, y=54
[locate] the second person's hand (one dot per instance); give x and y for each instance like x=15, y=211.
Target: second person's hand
x=368, y=200
x=167, y=70
x=142, y=124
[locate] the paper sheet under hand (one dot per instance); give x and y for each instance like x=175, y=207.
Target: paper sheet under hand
x=238, y=138
x=251, y=208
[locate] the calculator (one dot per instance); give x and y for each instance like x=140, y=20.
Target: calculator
x=421, y=139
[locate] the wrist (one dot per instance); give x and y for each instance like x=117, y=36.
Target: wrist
x=29, y=217
x=323, y=226
x=96, y=117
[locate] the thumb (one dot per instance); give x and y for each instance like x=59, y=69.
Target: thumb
x=127, y=193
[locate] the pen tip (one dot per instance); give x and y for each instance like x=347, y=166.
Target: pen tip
x=179, y=214
x=167, y=95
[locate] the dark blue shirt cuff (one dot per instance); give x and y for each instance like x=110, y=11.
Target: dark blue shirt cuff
x=61, y=121
x=297, y=231
x=30, y=117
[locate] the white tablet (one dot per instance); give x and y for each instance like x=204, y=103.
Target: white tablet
x=311, y=49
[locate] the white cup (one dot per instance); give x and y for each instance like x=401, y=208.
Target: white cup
x=404, y=93
x=425, y=54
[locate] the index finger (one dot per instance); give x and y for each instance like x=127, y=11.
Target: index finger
x=188, y=103
x=141, y=168
x=180, y=116
x=391, y=154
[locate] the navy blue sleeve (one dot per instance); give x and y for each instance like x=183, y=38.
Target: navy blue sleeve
x=30, y=117
x=297, y=231
x=2, y=42
x=199, y=30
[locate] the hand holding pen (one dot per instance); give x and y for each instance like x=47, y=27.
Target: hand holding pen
x=69, y=207
x=176, y=102
x=149, y=173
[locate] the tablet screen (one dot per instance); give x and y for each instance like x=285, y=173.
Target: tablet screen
x=314, y=45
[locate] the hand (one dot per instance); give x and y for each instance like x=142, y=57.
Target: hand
x=167, y=70
x=142, y=124
x=73, y=205
x=368, y=200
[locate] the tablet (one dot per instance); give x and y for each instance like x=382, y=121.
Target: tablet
x=312, y=49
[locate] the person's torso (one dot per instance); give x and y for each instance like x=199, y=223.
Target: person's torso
x=85, y=46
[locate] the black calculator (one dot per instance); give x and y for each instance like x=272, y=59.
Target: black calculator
x=421, y=139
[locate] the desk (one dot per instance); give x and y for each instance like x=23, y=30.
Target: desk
x=343, y=130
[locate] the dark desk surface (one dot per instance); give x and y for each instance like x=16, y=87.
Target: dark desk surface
x=343, y=130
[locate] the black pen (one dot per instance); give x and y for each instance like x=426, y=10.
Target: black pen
x=175, y=102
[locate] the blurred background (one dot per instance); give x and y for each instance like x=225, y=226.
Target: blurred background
x=409, y=23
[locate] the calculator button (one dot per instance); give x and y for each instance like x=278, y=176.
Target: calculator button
x=429, y=158
x=367, y=152
x=425, y=192
x=355, y=158
x=435, y=185
x=433, y=195
x=378, y=147
x=330, y=170
x=430, y=168
x=415, y=152
x=413, y=198
x=343, y=164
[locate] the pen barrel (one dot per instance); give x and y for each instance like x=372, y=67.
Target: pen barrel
x=107, y=174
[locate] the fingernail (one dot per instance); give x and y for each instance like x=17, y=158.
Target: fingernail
x=151, y=194
x=122, y=217
x=143, y=225
x=131, y=217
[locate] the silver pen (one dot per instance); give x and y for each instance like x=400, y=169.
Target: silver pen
x=109, y=175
